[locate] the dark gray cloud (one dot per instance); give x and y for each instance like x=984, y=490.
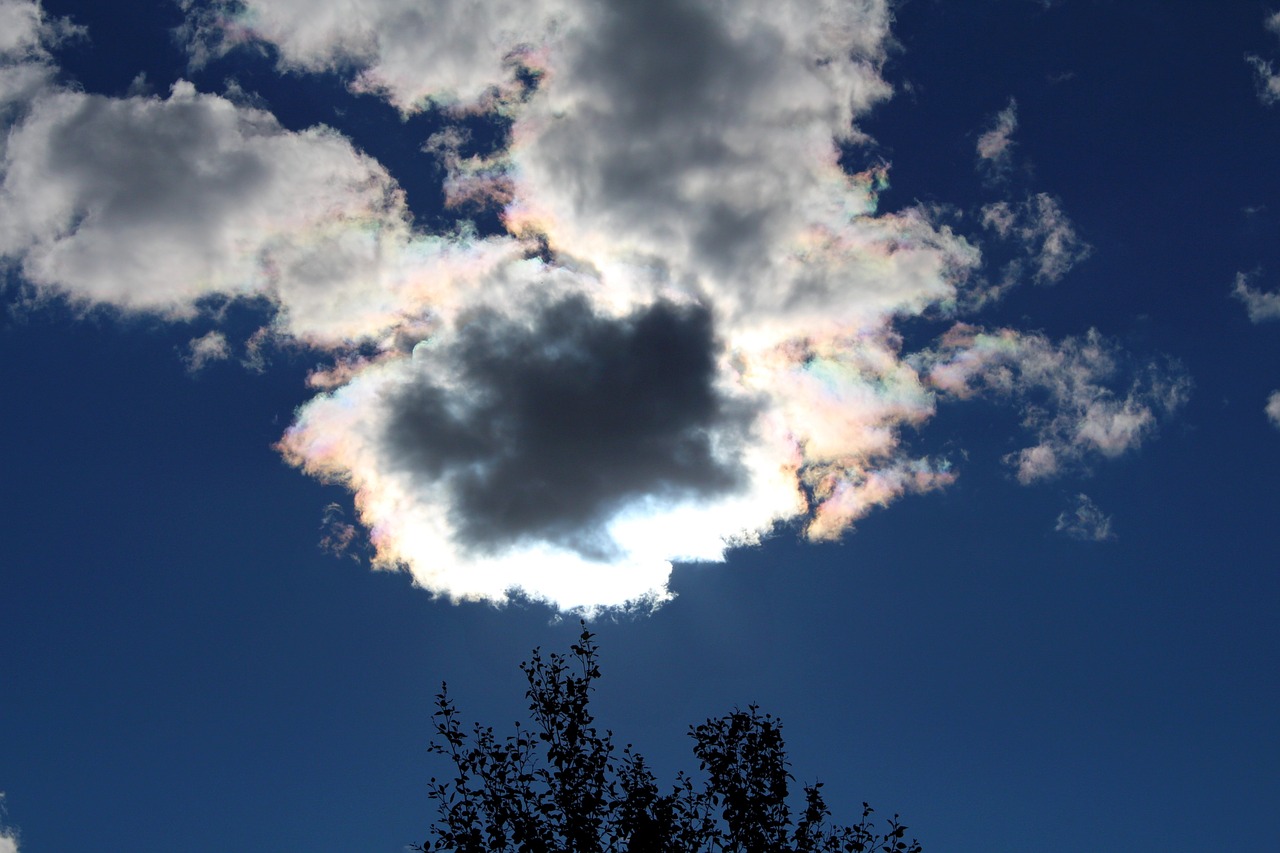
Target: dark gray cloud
x=557, y=424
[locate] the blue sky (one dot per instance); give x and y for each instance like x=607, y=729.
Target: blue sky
x=904, y=369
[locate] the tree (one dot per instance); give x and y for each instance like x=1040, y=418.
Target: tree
x=560, y=786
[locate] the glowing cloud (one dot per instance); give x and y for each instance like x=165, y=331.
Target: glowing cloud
x=685, y=338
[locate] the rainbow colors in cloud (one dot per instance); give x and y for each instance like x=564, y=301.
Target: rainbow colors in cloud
x=685, y=340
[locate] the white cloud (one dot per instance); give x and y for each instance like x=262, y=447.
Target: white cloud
x=1260, y=304
x=995, y=145
x=26, y=67
x=1265, y=76
x=1266, y=79
x=451, y=52
x=1064, y=390
x=206, y=349
x=1044, y=232
x=8, y=836
x=1273, y=408
x=1084, y=521
x=686, y=338
x=152, y=204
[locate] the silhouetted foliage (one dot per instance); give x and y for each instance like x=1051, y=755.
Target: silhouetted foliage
x=559, y=786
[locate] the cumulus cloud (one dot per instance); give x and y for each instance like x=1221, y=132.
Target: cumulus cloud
x=1043, y=231
x=27, y=68
x=153, y=204
x=1063, y=392
x=1084, y=521
x=1260, y=304
x=451, y=52
x=995, y=145
x=685, y=339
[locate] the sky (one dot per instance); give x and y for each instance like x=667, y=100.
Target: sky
x=909, y=369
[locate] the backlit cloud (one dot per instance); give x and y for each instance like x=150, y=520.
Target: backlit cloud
x=686, y=339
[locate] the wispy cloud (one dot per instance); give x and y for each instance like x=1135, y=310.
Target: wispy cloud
x=995, y=145
x=1084, y=521
x=1273, y=408
x=1043, y=232
x=8, y=835
x=206, y=349
x=1265, y=76
x=1260, y=304
x=1064, y=390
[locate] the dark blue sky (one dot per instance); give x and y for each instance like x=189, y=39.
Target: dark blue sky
x=184, y=668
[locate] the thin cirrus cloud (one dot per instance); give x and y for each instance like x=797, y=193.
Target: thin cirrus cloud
x=685, y=337
x=1044, y=233
x=1084, y=521
x=8, y=836
x=995, y=145
x=1265, y=76
x=1042, y=237
x=1261, y=306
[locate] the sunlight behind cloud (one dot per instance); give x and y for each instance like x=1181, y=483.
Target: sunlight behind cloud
x=686, y=337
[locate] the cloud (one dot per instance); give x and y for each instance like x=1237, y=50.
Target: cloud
x=154, y=204
x=1084, y=521
x=995, y=145
x=1265, y=76
x=205, y=350
x=27, y=68
x=1261, y=305
x=685, y=341
x=552, y=427
x=450, y=52
x=1043, y=231
x=8, y=836
x=1062, y=390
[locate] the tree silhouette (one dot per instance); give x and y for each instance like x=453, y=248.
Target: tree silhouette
x=559, y=785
